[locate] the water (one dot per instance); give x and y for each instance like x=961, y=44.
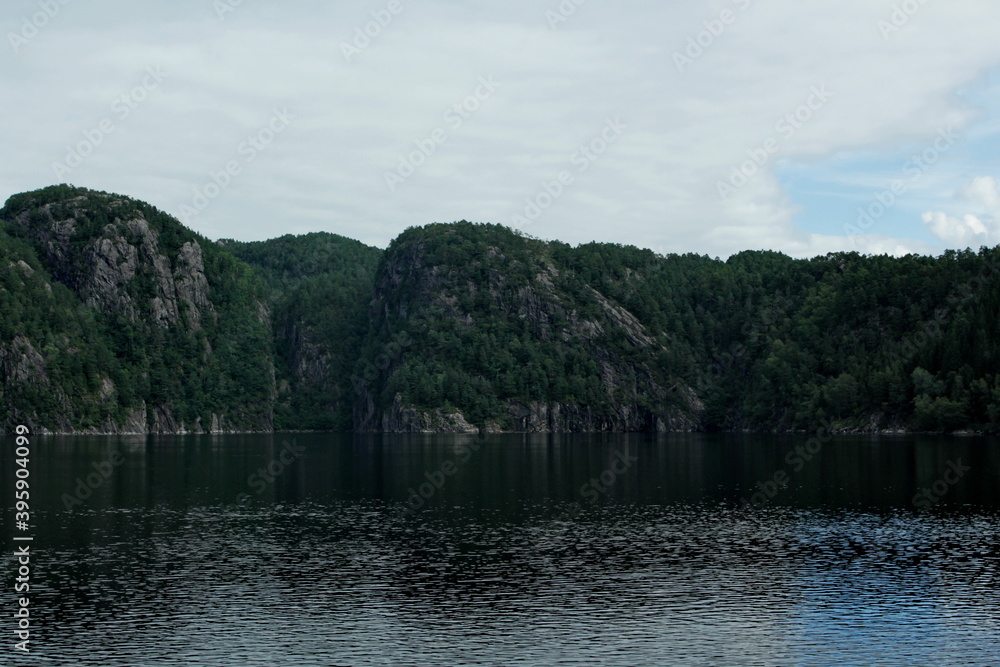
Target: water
x=187, y=555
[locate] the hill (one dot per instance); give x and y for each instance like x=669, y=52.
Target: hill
x=318, y=286
x=116, y=318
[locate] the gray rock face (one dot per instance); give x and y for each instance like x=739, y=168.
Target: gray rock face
x=106, y=271
x=21, y=362
x=114, y=263
x=125, y=271
x=549, y=315
x=553, y=417
x=191, y=285
x=22, y=366
x=399, y=419
x=309, y=362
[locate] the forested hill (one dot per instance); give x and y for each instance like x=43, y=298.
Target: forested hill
x=318, y=287
x=116, y=318
x=529, y=335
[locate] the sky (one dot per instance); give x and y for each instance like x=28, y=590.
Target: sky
x=697, y=126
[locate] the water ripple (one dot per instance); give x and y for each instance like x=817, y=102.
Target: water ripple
x=362, y=583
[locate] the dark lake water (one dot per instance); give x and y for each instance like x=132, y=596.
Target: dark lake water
x=508, y=550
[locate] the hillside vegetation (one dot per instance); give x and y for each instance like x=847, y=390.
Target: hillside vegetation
x=116, y=318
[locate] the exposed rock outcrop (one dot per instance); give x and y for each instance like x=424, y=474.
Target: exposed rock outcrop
x=399, y=419
x=416, y=284
x=156, y=324
x=103, y=270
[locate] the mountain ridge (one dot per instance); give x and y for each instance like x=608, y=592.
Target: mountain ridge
x=117, y=318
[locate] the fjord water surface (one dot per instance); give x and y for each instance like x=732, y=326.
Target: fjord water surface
x=308, y=549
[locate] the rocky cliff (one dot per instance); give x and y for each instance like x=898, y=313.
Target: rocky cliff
x=168, y=334
x=115, y=318
x=503, y=339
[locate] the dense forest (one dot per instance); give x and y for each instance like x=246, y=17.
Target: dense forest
x=114, y=317
x=107, y=323
x=765, y=341
x=318, y=288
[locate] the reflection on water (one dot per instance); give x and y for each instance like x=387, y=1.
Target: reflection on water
x=216, y=551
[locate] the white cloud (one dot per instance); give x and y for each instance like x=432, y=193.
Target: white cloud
x=961, y=232
x=655, y=187
x=976, y=229
x=983, y=191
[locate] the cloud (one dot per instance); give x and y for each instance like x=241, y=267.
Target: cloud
x=961, y=232
x=981, y=227
x=654, y=187
x=983, y=191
